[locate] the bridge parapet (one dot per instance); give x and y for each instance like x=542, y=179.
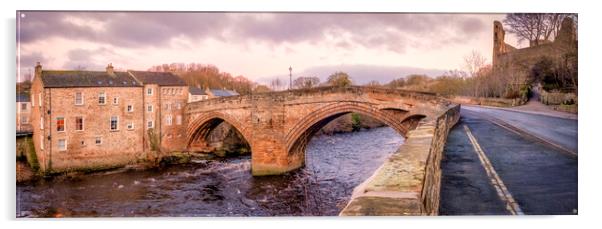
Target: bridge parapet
x=408, y=183
x=292, y=95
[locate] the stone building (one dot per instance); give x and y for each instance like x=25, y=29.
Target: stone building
x=23, y=113
x=517, y=63
x=165, y=97
x=98, y=119
x=196, y=94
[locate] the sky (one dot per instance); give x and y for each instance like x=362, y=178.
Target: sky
x=259, y=46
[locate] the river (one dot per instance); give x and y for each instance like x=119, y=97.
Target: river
x=334, y=166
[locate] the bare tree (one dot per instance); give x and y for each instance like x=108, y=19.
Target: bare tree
x=473, y=62
x=535, y=27
x=373, y=83
x=276, y=84
x=306, y=82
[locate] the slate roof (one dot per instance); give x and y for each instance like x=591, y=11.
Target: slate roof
x=57, y=79
x=159, y=78
x=196, y=91
x=23, y=97
x=222, y=93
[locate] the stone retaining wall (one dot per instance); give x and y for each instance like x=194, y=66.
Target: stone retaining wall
x=408, y=183
x=494, y=102
x=557, y=98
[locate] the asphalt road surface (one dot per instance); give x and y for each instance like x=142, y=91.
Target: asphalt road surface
x=503, y=162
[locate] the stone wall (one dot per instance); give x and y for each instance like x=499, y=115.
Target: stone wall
x=117, y=147
x=557, y=98
x=483, y=101
x=408, y=183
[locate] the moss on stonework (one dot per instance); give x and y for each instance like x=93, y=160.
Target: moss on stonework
x=32, y=158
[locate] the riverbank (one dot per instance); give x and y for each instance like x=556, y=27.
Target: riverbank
x=335, y=164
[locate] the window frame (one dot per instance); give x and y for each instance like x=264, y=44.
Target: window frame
x=102, y=95
x=58, y=144
x=98, y=140
x=127, y=108
x=82, y=98
x=116, y=100
x=64, y=124
x=116, y=123
x=149, y=91
x=149, y=106
x=132, y=126
x=152, y=124
x=83, y=123
x=168, y=120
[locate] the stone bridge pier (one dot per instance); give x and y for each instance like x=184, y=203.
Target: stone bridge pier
x=278, y=125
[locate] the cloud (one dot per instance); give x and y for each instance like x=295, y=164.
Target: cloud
x=29, y=60
x=392, y=32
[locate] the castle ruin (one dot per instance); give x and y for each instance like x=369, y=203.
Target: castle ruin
x=517, y=63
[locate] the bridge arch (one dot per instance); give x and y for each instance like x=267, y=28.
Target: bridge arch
x=297, y=138
x=200, y=127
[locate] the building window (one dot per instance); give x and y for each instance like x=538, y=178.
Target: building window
x=60, y=124
x=23, y=106
x=62, y=144
x=130, y=126
x=79, y=123
x=42, y=123
x=40, y=99
x=149, y=124
x=102, y=98
x=24, y=120
x=114, y=123
x=83, y=143
x=149, y=91
x=98, y=140
x=179, y=120
x=79, y=98
x=130, y=108
x=42, y=142
x=168, y=120
x=115, y=100
x=178, y=106
x=149, y=108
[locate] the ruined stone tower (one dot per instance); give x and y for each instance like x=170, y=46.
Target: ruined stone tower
x=499, y=46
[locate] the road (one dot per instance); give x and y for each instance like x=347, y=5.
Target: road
x=500, y=162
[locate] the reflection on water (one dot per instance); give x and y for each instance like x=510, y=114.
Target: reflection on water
x=334, y=166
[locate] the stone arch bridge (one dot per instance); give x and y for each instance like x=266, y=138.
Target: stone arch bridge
x=278, y=125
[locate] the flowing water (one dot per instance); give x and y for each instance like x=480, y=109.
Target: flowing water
x=334, y=166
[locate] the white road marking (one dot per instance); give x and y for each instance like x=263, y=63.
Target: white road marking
x=495, y=179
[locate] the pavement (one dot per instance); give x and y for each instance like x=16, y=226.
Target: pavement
x=502, y=162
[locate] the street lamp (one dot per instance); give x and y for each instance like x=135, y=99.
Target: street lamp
x=290, y=78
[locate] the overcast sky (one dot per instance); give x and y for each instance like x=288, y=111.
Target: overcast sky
x=259, y=46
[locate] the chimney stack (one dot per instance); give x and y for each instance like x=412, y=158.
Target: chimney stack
x=110, y=69
x=38, y=69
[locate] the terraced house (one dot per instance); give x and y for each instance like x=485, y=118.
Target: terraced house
x=98, y=119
